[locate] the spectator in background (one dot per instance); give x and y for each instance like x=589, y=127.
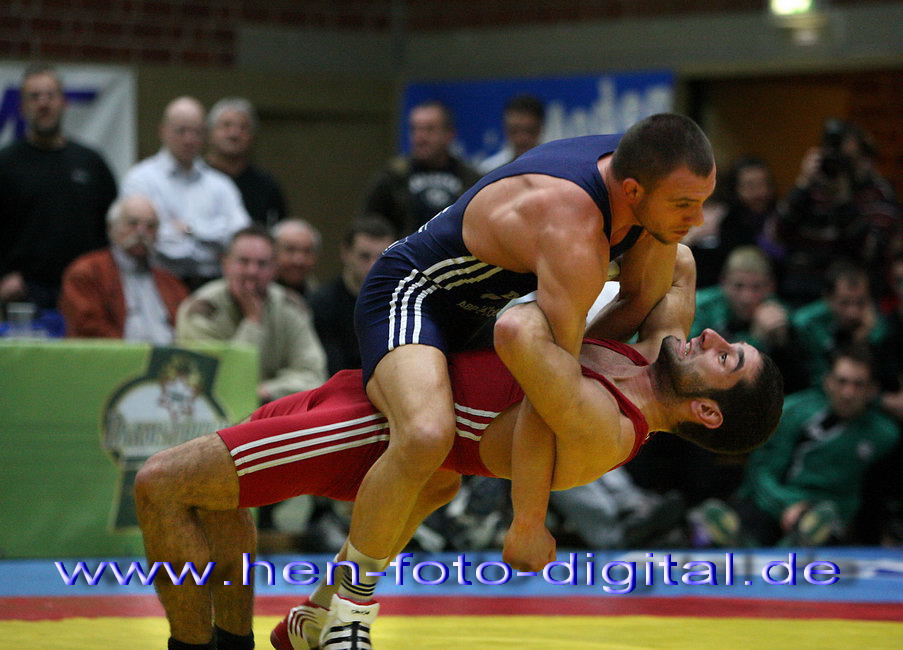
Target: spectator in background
x=881, y=520
x=116, y=292
x=412, y=190
x=231, y=127
x=746, y=215
x=333, y=303
x=804, y=485
x=846, y=315
x=743, y=307
x=840, y=207
x=297, y=249
x=891, y=355
x=55, y=196
x=247, y=306
x=199, y=207
x=523, y=118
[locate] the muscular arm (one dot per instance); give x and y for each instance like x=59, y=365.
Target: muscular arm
x=673, y=315
x=569, y=402
x=646, y=276
x=585, y=418
x=571, y=268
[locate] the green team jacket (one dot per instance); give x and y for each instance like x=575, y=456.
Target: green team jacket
x=815, y=325
x=713, y=310
x=804, y=462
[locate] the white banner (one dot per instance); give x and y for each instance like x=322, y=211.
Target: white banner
x=101, y=111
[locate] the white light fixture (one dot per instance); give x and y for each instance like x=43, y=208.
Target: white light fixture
x=802, y=19
x=790, y=7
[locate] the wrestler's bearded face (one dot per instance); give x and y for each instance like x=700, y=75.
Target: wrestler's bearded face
x=675, y=379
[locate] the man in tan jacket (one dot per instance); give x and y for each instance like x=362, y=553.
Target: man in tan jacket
x=246, y=306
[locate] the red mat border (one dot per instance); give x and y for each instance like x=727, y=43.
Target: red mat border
x=61, y=607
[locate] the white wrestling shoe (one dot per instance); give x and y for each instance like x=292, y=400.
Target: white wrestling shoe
x=300, y=629
x=347, y=625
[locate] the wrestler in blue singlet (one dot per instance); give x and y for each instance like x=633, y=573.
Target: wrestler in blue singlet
x=428, y=288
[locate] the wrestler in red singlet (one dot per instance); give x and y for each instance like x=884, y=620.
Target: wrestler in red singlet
x=323, y=441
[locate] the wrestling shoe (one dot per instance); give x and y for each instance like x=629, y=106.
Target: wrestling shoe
x=347, y=625
x=300, y=629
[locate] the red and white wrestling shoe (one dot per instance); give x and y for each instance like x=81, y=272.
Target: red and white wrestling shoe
x=347, y=625
x=300, y=629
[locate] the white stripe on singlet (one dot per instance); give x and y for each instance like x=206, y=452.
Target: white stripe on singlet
x=258, y=459
x=310, y=442
x=360, y=426
x=300, y=433
x=316, y=452
x=411, y=291
x=480, y=426
x=392, y=306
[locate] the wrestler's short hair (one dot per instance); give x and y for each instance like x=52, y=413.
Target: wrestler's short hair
x=656, y=146
x=751, y=410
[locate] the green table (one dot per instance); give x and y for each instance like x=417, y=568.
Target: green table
x=79, y=417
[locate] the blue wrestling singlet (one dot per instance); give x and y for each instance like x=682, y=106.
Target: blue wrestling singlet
x=428, y=288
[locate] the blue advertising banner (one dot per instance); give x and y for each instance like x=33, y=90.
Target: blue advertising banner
x=583, y=105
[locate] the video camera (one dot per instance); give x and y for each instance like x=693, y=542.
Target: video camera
x=834, y=162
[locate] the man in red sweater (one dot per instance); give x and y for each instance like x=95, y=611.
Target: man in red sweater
x=117, y=292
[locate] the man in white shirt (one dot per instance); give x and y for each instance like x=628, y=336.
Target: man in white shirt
x=199, y=208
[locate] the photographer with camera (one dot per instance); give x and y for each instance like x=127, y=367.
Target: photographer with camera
x=840, y=207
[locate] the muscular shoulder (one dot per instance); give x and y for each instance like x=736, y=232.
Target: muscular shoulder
x=600, y=414
x=606, y=436
x=564, y=196
x=558, y=209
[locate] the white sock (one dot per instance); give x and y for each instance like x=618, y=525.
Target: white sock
x=324, y=592
x=362, y=591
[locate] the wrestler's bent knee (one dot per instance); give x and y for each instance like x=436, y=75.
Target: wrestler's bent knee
x=424, y=443
x=153, y=481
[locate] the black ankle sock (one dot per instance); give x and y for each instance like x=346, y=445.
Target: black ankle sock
x=228, y=641
x=179, y=645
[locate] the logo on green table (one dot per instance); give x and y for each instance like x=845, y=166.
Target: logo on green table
x=170, y=404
